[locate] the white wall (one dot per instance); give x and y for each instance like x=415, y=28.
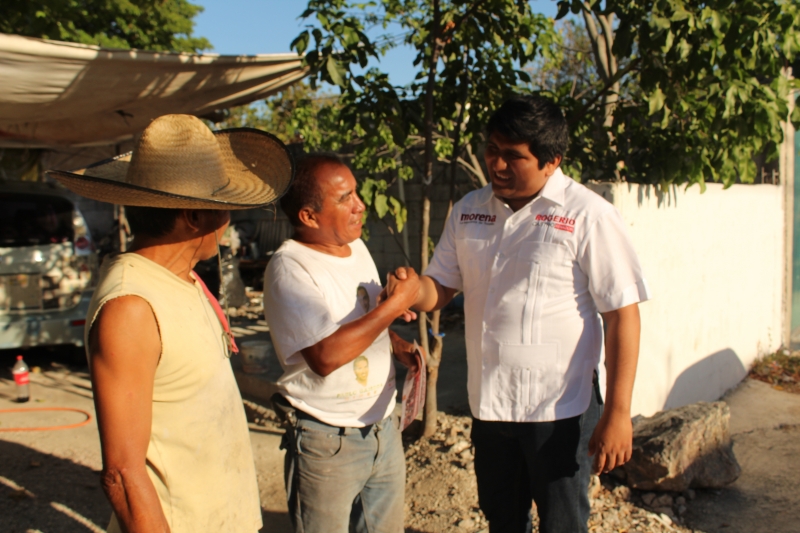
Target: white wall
x=715, y=266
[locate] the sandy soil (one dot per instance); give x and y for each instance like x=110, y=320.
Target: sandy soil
x=49, y=480
x=765, y=425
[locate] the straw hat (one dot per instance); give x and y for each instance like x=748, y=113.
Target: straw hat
x=179, y=163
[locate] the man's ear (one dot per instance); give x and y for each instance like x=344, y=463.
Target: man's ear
x=192, y=219
x=551, y=167
x=203, y=220
x=308, y=217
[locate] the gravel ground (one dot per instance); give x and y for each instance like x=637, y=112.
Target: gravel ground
x=441, y=492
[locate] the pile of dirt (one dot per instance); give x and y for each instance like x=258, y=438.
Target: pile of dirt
x=442, y=496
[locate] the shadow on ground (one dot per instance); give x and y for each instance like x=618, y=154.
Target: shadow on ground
x=42, y=492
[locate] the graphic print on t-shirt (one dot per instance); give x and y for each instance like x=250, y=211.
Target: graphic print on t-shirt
x=361, y=369
x=363, y=297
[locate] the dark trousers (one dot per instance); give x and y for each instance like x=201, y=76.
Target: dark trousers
x=547, y=462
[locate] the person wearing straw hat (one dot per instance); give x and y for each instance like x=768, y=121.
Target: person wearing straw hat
x=175, y=443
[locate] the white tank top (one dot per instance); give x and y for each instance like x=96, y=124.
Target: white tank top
x=199, y=458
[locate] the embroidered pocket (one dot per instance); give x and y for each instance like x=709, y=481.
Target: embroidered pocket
x=528, y=374
x=472, y=259
x=535, y=258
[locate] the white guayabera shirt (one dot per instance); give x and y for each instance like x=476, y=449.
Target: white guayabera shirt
x=534, y=284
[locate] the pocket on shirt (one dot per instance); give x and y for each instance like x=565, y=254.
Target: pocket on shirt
x=471, y=259
x=535, y=259
x=528, y=374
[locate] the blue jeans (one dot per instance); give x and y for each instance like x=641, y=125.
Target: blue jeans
x=545, y=461
x=341, y=479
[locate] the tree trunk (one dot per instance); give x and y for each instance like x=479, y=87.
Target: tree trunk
x=601, y=36
x=430, y=413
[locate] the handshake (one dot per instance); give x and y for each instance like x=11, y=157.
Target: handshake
x=403, y=288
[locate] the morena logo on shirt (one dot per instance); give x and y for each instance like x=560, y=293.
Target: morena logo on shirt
x=558, y=222
x=480, y=218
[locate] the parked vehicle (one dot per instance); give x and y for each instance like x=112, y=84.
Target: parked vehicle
x=48, y=264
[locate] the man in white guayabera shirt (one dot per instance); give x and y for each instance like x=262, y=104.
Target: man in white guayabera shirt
x=540, y=259
x=344, y=458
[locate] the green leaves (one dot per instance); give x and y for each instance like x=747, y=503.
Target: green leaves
x=373, y=193
x=336, y=72
x=160, y=25
x=656, y=101
x=706, y=93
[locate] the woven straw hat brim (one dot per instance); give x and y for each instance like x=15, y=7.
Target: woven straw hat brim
x=257, y=165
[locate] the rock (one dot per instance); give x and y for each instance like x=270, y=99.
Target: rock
x=459, y=447
x=681, y=448
x=648, y=498
x=680, y=500
x=623, y=493
x=691, y=494
x=467, y=523
x=595, y=487
x=665, y=518
x=663, y=500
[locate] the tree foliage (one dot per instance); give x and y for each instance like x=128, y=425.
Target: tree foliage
x=687, y=91
x=299, y=113
x=160, y=25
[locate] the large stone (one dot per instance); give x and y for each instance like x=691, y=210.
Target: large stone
x=681, y=448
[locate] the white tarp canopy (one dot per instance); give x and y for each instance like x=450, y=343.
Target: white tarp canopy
x=56, y=94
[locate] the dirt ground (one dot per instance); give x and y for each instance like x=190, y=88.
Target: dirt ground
x=49, y=479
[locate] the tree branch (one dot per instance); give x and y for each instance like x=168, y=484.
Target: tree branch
x=610, y=83
x=596, y=40
x=608, y=32
x=396, y=241
x=465, y=16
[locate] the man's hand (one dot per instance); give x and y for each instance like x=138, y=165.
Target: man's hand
x=431, y=295
x=612, y=442
x=405, y=280
x=404, y=351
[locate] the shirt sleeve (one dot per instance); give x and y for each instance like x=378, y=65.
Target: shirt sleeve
x=295, y=309
x=444, y=265
x=610, y=262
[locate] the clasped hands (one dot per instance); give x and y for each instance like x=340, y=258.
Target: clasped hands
x=403, y=285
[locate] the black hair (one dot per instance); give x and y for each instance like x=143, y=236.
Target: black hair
x=535, y=120
x=153, y=222
x=305, y=190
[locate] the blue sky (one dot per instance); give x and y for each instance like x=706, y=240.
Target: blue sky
x=268, y=26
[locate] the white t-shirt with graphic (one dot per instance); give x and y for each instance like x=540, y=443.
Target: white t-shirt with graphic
x=308, y=295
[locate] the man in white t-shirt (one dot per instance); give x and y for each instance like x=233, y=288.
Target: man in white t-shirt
x=345, y=465
x=540, y=258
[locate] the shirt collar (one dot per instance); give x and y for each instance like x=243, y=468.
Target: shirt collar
x=554, y=189
x=485, y=195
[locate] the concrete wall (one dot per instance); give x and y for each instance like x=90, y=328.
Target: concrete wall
x=715, y=265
